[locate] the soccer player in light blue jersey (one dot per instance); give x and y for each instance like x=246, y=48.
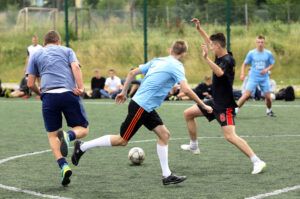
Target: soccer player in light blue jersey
x=160, y=76
x=262, y=61
x=61, y=86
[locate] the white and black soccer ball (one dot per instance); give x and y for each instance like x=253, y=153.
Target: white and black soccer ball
x=136, y=155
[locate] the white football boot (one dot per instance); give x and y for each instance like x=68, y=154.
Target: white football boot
x=258, y=167
x=187, y=147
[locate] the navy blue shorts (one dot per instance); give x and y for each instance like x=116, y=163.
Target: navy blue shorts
x=54, y=104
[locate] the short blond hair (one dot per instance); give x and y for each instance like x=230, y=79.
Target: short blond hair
x=179, y=47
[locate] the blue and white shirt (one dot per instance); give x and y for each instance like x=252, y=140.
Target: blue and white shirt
x=160, y=76
x=259, y=61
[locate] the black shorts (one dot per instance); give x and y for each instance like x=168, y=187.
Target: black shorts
x=137, y=117
x=225, y=116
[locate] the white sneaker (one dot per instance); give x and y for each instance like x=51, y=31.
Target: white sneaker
x=258, y=167
x=187, y=147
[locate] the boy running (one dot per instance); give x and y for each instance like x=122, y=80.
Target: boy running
x=61, y=87
x=262, y=61
x=223, y=102
x=160, y=76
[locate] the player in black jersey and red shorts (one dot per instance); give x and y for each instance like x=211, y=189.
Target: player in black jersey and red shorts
x=223, y=103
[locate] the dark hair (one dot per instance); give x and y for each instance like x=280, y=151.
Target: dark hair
x=206, y=78
x=51, y=37
x=111, y=70
x=179, y=47
x=219, y=38
x=260, y=37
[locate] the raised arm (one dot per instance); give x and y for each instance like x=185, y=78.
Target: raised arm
x=121, y=98
x=78, y=78
x=201, y=31
x=184, y=87
x=215, y=68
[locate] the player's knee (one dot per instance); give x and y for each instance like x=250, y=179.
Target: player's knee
x=166, y=135
x=187, y=115
x=230, y=138
x=85, y=131
x=121, y=141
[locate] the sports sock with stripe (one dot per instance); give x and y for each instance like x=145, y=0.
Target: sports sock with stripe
x=61, y=162
x=98, y=142
x=72, y=135
x=162, y=152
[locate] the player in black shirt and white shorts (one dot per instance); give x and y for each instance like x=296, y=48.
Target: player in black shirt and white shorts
x=223, y=103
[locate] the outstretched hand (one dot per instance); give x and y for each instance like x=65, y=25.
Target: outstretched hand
x=197, y=22
x=204, y=51
x=120, y=99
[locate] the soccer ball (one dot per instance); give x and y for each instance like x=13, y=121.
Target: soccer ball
x=136, y=155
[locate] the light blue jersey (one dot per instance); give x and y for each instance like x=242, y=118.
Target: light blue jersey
x=160, y=76
x=259, y=61
x=52, y=64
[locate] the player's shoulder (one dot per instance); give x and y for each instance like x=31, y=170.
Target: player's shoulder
x=268, y=51
x=252, y=51
x=228, y=58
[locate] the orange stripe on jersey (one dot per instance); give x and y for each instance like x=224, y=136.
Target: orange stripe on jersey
x=229, y=116
x=133, y=123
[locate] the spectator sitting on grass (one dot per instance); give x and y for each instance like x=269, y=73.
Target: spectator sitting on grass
x=97, y=83
x=112, y=85
x=203, y=90
x=135, y=84
x=23, y=90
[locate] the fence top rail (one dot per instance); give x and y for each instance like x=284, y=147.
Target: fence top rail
x=39, y=9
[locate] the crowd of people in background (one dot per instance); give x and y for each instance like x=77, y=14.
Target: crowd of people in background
x=111, y=86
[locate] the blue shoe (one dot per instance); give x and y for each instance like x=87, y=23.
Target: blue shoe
x=66, y=173
x=64, y=143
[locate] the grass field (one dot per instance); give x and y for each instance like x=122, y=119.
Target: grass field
x=220, y=171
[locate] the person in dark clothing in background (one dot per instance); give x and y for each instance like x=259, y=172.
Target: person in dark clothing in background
x=97, y=83
x=203, y=90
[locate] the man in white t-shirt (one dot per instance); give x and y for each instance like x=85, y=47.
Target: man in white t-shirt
x=32, y=49
x=112, y=85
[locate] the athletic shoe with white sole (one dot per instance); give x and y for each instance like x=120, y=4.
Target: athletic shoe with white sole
x=187, y=147
x=173, y=179
x=258, y=167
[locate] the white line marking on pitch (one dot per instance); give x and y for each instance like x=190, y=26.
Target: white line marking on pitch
x=164, y=104
x=137, y=141
x=276, y=192
x=30, y=192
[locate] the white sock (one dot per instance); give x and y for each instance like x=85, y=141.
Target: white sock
x=236, y=110
x=254, y=159
x=162, y=152
x=101, y=141
x=194, y=144
x=269, y=110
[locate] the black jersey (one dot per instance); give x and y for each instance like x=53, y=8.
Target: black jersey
x=97, y=83
x=222, y=86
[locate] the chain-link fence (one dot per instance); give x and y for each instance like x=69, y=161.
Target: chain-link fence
x=106, y=38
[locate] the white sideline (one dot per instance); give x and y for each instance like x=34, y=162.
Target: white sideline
x=164, y=104
x=276, y=192
x=137, y=141
x=30, y=192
